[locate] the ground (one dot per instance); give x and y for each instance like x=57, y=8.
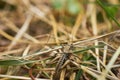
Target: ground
x=59, y=39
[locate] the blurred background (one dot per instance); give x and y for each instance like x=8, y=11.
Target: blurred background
x=56, y=20
x=32, y=26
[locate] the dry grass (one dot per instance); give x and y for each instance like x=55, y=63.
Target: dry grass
x=39, y=42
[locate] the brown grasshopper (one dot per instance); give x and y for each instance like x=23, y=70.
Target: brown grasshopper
x=63, y=61
x=67, y=53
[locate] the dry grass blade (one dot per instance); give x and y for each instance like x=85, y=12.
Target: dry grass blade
x=13, y=27
x=39, y=13
x=116, y=66
x=99, y=73
x=101, y=63
x=77, y=24
x=95, y=38
x=54, y=25
x=88, y=71
x=72, y=77
x=113, y=59
x=41, y=52
x=59, y=40
x=6, y=35
x=105, y=54
x=62, y=75
x=21, y=31
x=11, y=38
x=11, y=52
x=26, y=51
x=109, y=66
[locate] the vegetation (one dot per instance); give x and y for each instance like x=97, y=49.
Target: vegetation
x=59, y=40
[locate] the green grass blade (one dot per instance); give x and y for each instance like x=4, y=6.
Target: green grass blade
x=108, y=12
x=78, y=75
x=15, y=62
x=88, y=48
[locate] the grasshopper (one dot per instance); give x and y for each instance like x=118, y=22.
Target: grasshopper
x=63, y=61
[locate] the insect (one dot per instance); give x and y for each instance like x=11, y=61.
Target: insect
x=66, y=58
x=69, y=60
